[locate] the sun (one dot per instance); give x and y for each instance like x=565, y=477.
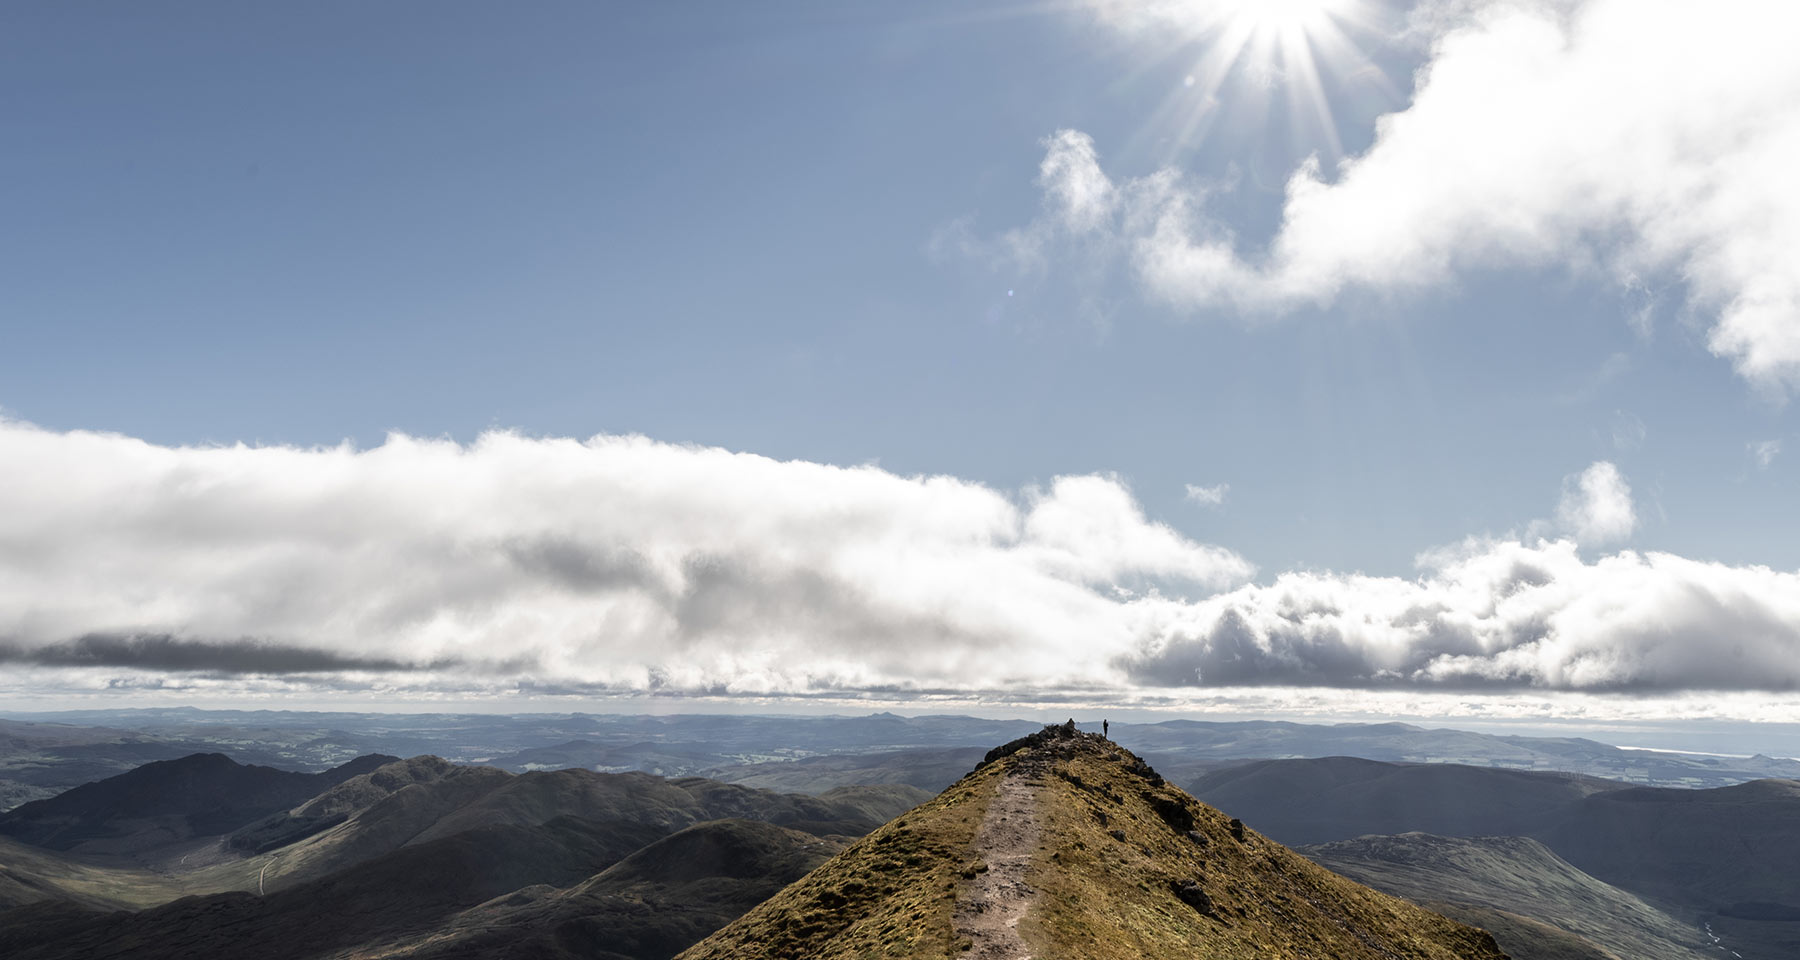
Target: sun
x=1252, y=50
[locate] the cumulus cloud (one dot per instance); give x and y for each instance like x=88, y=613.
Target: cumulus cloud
x=616, y=562
x=1632, y=138
x=620, y=564
x=1764, y=453
x=1492, y=615
x=1596, y=506
x=1208, y=496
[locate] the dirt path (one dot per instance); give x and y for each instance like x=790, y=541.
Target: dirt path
x=989, y=910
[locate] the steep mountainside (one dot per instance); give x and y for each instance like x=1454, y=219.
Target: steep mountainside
x=1066, y=846
x=425, y=799
x=409, y=891
x=1721, y=857
x=168, y=801
x=1518, y=876
x=1727, y=854
x=647, y=907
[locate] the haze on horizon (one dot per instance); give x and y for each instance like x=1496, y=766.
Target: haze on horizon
x=1339, y=358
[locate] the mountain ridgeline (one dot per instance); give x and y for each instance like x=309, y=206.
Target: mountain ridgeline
x=1063, y=845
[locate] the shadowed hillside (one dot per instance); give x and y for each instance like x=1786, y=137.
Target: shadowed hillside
x=1519, y=876
x=1722, y=856
x=410, y=890
x=425, y=798
x=647, y=907
x=168, y=801
x=423, y=855
x=1316, y=801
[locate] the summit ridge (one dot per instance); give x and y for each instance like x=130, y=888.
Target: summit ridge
x=1062, y=845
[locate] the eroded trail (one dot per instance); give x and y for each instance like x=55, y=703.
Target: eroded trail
x=989, y=910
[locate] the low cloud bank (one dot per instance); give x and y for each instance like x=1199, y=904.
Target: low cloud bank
x=1493, y=615
x=615, y=562
x=624, y=564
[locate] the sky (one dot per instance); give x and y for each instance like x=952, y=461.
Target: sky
x=1331, y=357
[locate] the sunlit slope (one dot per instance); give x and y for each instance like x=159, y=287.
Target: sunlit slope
x=1117, y=864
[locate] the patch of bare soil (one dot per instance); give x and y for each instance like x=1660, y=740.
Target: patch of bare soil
x=989, y=909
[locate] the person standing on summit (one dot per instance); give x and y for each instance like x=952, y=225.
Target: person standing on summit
x=1106, y=729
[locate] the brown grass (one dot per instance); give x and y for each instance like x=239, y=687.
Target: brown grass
x=888, y=895
x=1102, y=898
x=1100, y=895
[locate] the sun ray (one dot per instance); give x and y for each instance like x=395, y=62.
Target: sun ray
x=1251, y=52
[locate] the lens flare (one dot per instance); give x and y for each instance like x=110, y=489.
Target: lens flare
x=1250, y=50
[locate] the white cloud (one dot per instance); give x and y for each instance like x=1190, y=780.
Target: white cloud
x=624, y=564
x=1208, y=496
x=1077, y=191
x=1493, y=614
x=1639, y=138
x=1596, y=506
x=1765, y=453
x=617, y=561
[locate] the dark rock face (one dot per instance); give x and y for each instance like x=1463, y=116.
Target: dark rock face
x=1174, y=814
x=1194, y=895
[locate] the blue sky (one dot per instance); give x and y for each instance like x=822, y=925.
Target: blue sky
x=958, y=240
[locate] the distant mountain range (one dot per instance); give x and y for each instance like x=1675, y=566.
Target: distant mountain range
x=44, y=755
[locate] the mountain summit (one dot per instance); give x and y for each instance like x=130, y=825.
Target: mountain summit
x=1064, y=845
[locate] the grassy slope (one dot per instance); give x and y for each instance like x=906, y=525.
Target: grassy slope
x=1524, y=938
x=1105, y=899
x=1519, y=876
x=30, y=875
x=1099, y=898
x=890, y=894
